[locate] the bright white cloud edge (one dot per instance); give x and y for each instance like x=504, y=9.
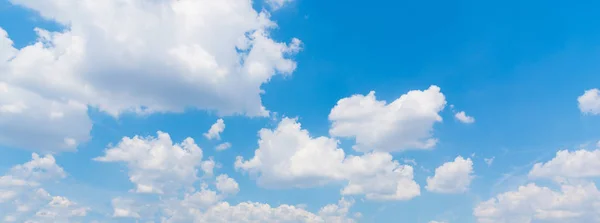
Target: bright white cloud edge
x=107, y=57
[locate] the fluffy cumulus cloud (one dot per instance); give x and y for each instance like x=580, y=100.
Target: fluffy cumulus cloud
x=452, y=177
x=289, y=157
x=533, y=203
x=56, y=125
x=156, y=164
x=135, y=56
x=247, y=212
x=227, y=185
x=22, y=198
x=405, y=123
x=574, y=198
x=569, y=164
x=215, y=130
x=464, y=118
x=589, y=102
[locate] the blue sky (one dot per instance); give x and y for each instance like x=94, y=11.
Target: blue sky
x=80, y=80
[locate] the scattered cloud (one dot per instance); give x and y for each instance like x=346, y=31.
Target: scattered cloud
x=215, y=130
x=569, y=164
x=573, y=203
x=452, y=177
x=589, y=102
x=223, y=146
x=289, y=157
x=23, y=199
x=464, y=118
x=227, y=185
x=575, y=200
x=156, y=164
x=405, y=123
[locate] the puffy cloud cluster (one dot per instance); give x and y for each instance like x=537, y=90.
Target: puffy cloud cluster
x=452, y=177
x=215, y=130
x=289, y=157
x=533, y=203
x=157, y=165
x=576, y=200
x=22, y=199
x=247, y=212
x=569, y=164
x=135, y=56
x=405, y=123
x=575, y=197
x=589, y=102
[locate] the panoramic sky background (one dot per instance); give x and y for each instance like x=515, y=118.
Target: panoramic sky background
x=299, y=111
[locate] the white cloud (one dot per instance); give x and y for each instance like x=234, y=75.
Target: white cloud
x=247, y=212
x=532, y=203
x=576, y=200
x=276, y=4
x=337, y=213
x=379, y=177
x=452, y=177
x=589, y=102
x=227, y=185
x=124, y=208
x=23, y=200
x=151, y=159
x=223, y=146
x=464, y=118
x=215, y=130
x=156, y=165
x=489, y=161
x=55, y=125
x=208, y=166
x=207, y=206
x=405, y=123
x=289, y=157
x=38, y=169
x=135, y=56
x=567, y=164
